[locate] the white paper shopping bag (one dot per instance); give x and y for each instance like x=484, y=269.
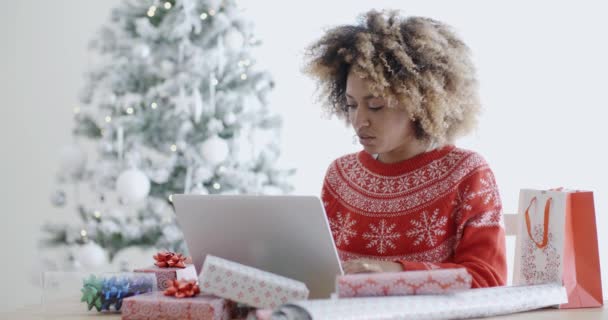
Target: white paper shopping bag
x=557, y=243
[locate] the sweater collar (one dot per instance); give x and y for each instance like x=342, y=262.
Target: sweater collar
x=401, y=167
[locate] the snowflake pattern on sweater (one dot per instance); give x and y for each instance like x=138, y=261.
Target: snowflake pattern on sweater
x=439, y=209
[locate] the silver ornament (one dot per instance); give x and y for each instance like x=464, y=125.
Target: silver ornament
x=58, y=198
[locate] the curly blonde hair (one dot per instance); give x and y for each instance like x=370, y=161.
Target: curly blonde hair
x=418, y=61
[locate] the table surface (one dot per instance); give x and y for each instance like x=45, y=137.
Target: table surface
x=38, y=312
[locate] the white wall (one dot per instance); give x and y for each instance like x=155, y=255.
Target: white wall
x=541, y=65
x=42, y=63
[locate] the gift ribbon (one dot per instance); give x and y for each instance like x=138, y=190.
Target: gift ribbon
x=166, y=259
x=182, y=289
x=545, y=240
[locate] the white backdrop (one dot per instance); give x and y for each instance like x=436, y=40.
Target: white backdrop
x=542, y=68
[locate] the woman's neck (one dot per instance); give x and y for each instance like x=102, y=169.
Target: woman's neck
x=409, y=151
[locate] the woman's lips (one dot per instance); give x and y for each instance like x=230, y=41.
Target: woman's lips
x=366, y=141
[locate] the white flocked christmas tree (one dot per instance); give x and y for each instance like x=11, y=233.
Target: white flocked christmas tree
x=173, y=104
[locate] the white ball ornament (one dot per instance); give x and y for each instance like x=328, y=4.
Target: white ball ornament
x=233, y=40
x=229, y=119
x=73, y=159
x=90, y=255
x=215, y=150
x=142, y=50
x=133, y=185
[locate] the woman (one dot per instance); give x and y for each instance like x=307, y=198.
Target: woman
x=410, y=200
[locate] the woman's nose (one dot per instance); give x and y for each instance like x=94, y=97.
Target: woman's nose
x=360, y=119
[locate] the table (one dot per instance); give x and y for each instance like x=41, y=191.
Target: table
x=37, y=312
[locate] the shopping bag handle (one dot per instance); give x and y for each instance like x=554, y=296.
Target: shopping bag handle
x=545, y=240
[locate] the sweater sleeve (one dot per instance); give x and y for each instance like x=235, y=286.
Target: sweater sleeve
x=327, y=197
x=480, y=236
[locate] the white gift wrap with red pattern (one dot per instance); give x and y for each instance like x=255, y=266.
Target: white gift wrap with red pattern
x=248, y=285
x=474, y=303
x=439, y=281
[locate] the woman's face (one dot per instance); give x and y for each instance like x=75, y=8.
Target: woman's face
x=383, y=130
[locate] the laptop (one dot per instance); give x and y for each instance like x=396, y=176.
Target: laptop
x=286, y=235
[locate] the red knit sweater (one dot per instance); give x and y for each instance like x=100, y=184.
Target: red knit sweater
x=439, y=209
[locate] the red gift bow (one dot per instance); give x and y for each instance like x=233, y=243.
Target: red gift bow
x=166, y=259
x=182, y=289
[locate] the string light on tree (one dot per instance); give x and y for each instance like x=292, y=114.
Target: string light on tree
x=211, y=12
x=129, y=110
x=243, y=76
x=203, y=16
x=171, y=198
x=108, y=119
x=173, y=147
x=167, y=5
x=244, y=63
x=216, y=186
x=153, y=105
x=97, y=214
x=151, y=11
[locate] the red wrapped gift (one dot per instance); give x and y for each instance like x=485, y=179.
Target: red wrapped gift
x=438, y=281
x=158, y=306
x=170, y=266
x=165, y=276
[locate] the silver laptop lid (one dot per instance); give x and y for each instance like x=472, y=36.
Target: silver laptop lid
x=286, y=235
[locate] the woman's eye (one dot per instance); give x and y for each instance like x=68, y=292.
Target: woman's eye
x=376, y=108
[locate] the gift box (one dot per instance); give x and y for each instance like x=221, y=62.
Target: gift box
x=165, y=276
x=170, y=266
x=158, y=306
x=107, y=291
x=248, y=285
x=438, y=281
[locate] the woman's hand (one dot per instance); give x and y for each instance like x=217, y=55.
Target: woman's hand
x=369, y=265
